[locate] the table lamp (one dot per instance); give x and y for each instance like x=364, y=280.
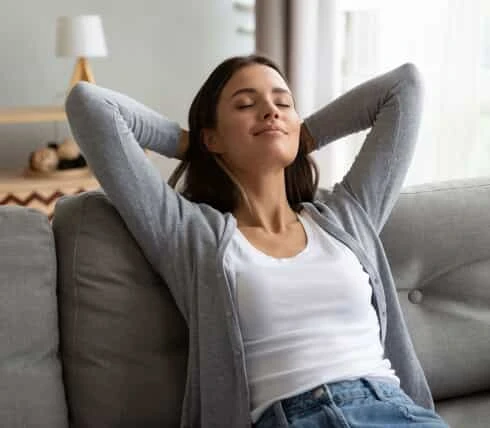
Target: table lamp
x=82, y=37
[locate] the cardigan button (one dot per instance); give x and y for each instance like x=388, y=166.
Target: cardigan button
x=415, y=296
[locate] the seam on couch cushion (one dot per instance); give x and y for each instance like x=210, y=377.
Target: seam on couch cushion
x=75, y=271
x=442, y=187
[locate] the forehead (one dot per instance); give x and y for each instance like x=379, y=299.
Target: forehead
x=256, y=76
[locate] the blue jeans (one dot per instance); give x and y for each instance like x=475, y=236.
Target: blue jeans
x=358, y=403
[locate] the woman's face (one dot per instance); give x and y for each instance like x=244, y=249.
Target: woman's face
x=257, y=123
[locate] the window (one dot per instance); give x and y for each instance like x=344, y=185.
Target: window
x=449, y=41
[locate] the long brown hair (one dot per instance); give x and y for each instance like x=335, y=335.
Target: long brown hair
x=207, y=179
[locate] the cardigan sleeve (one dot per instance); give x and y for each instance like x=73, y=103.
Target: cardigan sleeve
x=391, y=105
x=112, y=129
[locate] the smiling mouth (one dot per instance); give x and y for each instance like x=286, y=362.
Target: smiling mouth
x=270, y=131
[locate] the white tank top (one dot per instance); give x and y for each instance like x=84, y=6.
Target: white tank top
x=305, y=320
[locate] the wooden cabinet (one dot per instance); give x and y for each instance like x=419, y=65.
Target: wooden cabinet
x=40, y=191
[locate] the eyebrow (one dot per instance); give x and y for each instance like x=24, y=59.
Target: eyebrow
x=276, y=90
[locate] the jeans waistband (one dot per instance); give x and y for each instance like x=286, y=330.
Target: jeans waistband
x=339, y=393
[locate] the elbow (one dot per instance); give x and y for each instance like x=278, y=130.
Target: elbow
x=412, y=84
x=412, y=76
x=77, y=98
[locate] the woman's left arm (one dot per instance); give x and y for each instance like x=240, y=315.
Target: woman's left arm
x=391, y=106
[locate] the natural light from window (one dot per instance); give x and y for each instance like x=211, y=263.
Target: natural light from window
x=449, y=41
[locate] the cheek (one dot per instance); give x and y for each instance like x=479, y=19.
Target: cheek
x=228, y=121
x=234, y=130
x=295, y=126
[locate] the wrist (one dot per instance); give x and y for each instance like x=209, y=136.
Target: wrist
x=183, y=145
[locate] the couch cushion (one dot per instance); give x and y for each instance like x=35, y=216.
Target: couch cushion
x=470, y=411
x=31, y=386
x=124, y=343
x=438, y=244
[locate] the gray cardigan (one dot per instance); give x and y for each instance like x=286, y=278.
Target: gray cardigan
x=185, y=242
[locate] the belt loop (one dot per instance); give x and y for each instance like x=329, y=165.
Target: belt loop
x=328, y=393
x=371, y=384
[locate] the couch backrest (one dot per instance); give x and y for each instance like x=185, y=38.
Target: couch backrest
x=438, y=244
x=31, y=385
x=123, y=341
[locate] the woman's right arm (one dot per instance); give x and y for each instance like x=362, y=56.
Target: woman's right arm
x=112, y=130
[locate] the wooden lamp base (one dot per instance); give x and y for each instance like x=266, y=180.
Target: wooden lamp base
x=82, y=71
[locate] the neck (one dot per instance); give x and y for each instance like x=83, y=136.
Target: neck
x=268, y=209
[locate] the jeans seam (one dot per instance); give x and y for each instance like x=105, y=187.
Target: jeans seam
x=336, y=413
x=346, y=399
x=403, y=408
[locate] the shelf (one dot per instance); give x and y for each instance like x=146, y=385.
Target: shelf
x=14, y=181
x=32, y=114
x=42, y=193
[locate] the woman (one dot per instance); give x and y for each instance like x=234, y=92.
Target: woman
x=292, y=312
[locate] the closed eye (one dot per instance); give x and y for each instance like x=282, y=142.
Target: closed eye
x=244, y=106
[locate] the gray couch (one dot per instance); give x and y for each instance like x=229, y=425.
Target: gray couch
x=88, y=330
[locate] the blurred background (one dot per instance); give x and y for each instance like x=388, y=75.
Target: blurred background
x=160, y=52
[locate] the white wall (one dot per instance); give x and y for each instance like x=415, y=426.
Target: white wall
x=160, y=52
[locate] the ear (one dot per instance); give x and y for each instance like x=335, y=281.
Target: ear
x=211, y=141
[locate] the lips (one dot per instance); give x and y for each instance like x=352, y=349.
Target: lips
x=271, y=128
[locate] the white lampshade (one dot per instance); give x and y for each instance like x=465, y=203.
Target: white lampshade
x=80, y=36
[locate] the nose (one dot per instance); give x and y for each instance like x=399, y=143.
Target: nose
x=270, y=111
